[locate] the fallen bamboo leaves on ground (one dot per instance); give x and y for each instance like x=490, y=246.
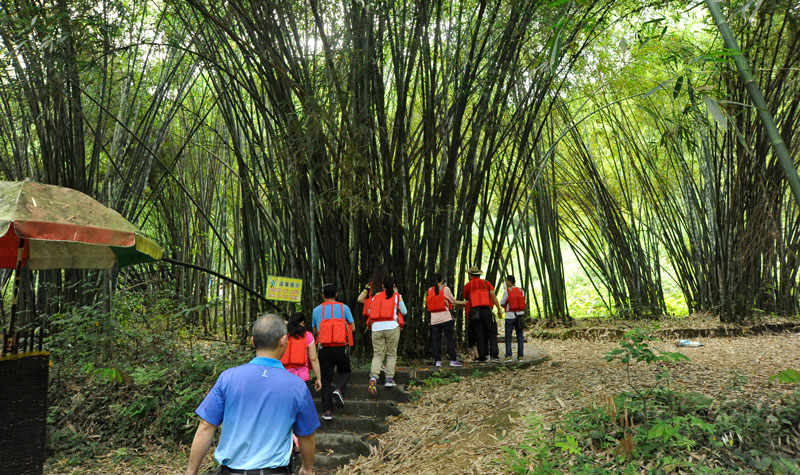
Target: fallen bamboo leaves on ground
x=464, y=426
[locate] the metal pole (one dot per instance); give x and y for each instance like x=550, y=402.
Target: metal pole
x=15, y=295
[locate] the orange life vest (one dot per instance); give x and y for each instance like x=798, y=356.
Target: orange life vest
x=384, y=309
x=296, y=353
x=365, y=310
x=516, y=300
x=436, y=303
x=479, y=297
x=334, y=331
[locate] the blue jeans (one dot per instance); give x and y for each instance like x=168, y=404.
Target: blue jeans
x=511, y=325
x=436, y=333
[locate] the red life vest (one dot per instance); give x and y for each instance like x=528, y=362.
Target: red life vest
x=334, y=331
x=384, y=309
x=367, y=302
x=296, y=353
x=516, y=300
x=479, y=297
x=436, y=303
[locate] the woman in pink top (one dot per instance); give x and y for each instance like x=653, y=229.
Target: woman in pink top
x=442, y=320
x=296, y=327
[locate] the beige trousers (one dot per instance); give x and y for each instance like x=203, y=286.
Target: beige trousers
x=384, y=345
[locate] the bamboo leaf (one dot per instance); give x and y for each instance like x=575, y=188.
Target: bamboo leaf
x=715, y=111
x=677, y=88
x=654, y=90
x=555, y=52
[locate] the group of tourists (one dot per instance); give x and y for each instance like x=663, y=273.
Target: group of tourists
x=480, y=298
x=383, y=311
x=276, y=378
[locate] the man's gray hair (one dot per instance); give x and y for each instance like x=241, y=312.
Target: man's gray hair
x=268, y=331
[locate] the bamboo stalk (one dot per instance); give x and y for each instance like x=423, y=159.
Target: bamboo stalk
x=785, y=159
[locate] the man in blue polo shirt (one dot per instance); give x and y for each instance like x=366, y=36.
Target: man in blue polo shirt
x=259, y=404
x=333, y=324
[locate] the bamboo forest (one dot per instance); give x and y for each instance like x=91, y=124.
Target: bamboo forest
x=399, y=236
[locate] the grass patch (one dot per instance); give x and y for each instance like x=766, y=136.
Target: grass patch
x=686, y=431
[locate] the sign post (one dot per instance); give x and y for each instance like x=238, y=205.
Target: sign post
x=286, y=289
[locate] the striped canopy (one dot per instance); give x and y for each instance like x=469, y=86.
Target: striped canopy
x=65, y=229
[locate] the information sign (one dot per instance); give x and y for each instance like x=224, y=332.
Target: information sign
x=286, y=289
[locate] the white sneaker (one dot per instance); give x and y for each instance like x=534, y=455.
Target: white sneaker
x=389, y=383
x=337, y=398
x=438, y=364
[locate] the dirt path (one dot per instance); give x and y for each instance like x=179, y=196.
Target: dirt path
x=462, y=427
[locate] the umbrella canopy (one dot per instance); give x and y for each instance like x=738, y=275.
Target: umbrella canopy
x=64, y=228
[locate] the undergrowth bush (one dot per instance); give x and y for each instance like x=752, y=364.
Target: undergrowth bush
x=584, y=300
x=737, y=436
x=128, y=377
x=661, y=430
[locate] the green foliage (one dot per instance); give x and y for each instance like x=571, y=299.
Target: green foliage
x=602, y=439
x=787, y=376
x=113, y=375
x=438, y=378
x=634, y=346
x=569, y=446
x=147, y=388
x=479, y=374
x=585, y=301
x=658, y=425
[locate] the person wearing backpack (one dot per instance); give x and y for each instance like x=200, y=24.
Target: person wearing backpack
x=440, y=301
x=301, y=353
x=373, y=287
x=480, y=296
x=385, y=320
x=333, y=323
x=514, y=303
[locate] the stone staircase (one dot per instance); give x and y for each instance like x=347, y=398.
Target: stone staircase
x=348, y=435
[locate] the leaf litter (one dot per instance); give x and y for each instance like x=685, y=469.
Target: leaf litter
x=464, y=426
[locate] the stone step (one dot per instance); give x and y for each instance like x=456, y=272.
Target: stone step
x=405, y=374
x=330, y=461
x=335, y=450
x=379, y=409
x=360, y=376
x=343, y=423
x=324, y=462
x=469, y=369
x=358, y=392
x=342, y=443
